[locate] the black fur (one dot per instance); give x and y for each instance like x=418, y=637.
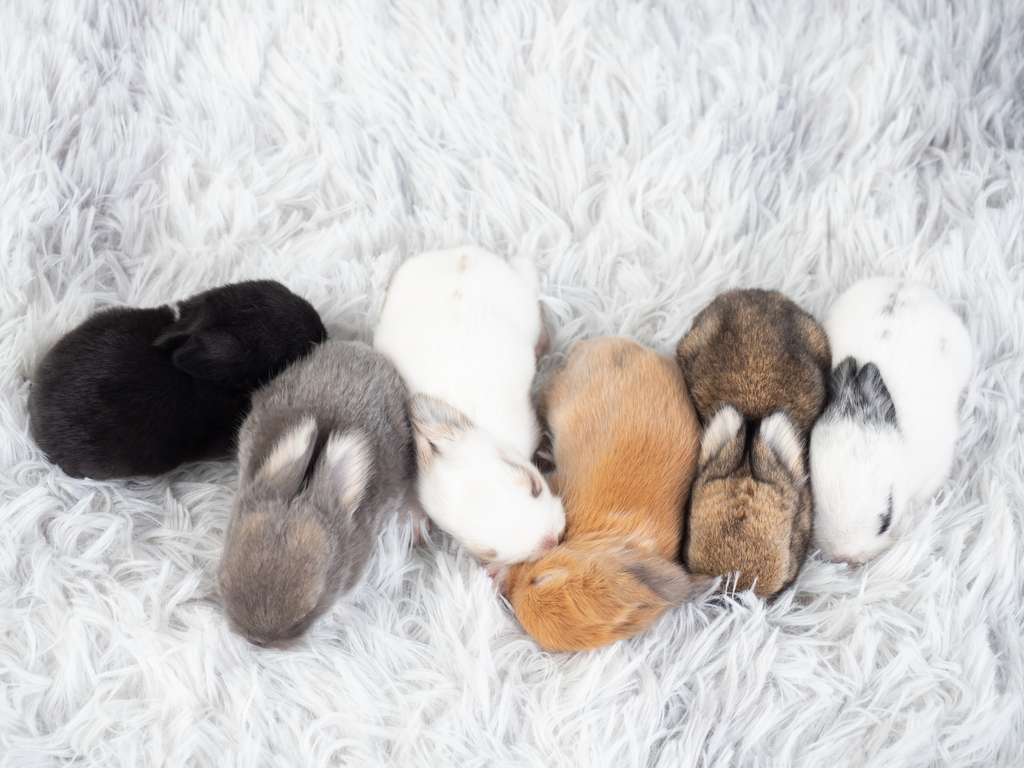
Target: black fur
x=886, y=518
x=136, y=392
x=861, y=396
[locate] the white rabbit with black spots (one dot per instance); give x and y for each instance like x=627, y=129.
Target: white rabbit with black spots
x=901, y=359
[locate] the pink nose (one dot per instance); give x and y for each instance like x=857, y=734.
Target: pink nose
x=549, y=542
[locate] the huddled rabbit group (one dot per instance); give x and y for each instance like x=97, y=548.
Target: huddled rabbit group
x=767, y=437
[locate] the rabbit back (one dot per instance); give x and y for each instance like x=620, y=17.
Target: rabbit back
x=462, y=325
x=625, y=441
x=106, y=402
x=345, y=386
x=759, y=351
x=626, y=437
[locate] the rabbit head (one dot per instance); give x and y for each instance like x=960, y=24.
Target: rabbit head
x=283, y=563
x=595, y=589
x=493, y=501
x=751, y=504
x=242, y=334
x=857, y=457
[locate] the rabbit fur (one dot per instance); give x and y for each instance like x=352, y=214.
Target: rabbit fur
x=464, y=329
x=756, y=365
x=140, y=391
x=886, y=438
x=625, y=439
x=325, y=457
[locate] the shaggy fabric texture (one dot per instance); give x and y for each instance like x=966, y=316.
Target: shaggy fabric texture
x=647, y=156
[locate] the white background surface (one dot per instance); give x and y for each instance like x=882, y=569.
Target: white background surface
x=648, y=156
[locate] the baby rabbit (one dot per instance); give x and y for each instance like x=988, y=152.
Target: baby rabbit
x=324, y=456
x=140, y=391
x=625, y=439
x=886, y=437
x=756, y=365
x=463, y=327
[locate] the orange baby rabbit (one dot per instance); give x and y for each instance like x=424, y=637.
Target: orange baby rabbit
x=625, y=438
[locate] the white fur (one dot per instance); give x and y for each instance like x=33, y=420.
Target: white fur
x=461, y=326
x=647, y=155
x=854, y=469
x=467, y=336
x=289, y=449
x=723, y=427
x=479, y=492
x=348, y=461
x=923, y=352
x=781, y=438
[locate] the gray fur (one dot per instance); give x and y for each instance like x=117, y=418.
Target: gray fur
x=275, y=577
x=861, y=396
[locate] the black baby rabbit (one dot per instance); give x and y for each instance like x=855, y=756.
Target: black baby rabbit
x=139, y=391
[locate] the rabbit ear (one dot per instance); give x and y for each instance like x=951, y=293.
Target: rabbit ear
x=667, y=579
x=842, y=376
x=544, y=393
x=779, y=435
x=345, y=468
x=202, y=351
x=284, y=469
x=724, y=427
x=213, y=356
x=435, y=424
x=873, y=396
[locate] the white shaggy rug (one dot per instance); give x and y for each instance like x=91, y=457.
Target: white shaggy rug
x=648, y=155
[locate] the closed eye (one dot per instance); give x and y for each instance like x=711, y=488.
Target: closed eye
x=886, y=518
x=536, y=487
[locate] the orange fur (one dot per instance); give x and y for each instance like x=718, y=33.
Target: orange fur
x=625, y=441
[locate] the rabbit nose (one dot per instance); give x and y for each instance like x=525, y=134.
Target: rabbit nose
x=549, y=542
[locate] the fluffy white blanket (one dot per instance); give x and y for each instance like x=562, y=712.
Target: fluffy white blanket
x=647, y=155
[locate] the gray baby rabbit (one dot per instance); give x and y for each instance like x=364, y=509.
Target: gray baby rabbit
x=325, y=457
x=757, y=367
x=138, y=392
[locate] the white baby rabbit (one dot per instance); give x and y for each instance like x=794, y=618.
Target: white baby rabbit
x=464, y=329
x=886, y=438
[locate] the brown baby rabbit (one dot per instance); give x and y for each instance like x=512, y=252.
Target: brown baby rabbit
x=757, y=367
x=625, y=442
